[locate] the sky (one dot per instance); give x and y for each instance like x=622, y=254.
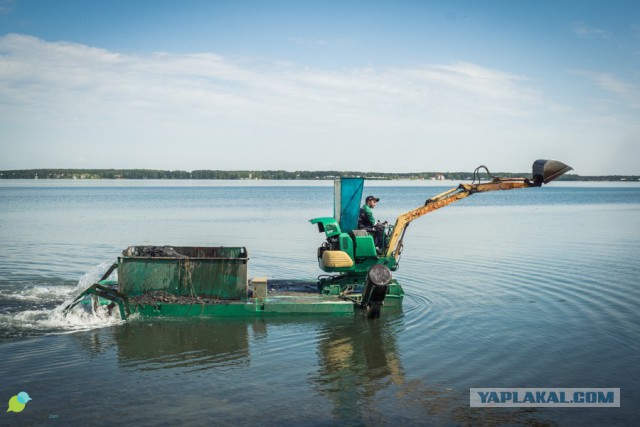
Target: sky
x=386, y=86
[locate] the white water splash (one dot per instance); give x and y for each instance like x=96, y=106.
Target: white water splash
x=55, y=320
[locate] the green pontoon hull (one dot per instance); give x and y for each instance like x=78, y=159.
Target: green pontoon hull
x=270, y=307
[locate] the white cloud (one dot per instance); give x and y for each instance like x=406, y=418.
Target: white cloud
x=623, y=91
x=61, y=101
x=48, y=70
x=584, y=31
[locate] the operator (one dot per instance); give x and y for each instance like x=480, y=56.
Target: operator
x=367, y=222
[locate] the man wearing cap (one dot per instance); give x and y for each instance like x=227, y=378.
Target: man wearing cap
x=366, y=221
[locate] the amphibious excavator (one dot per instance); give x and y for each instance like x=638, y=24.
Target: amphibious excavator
x=213, y=281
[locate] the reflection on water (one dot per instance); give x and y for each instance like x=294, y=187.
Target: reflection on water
x=187, y=346
x=355, y=364
x=356, y=361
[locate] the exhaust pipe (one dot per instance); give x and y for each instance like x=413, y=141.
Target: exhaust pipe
x=545, y=171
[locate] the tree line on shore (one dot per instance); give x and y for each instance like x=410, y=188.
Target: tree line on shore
x=269, y=174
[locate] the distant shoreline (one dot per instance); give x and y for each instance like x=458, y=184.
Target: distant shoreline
x=124, y=174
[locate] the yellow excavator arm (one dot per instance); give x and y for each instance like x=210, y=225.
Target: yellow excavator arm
x=544, y=171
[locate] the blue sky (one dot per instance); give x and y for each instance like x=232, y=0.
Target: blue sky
x=317, y=85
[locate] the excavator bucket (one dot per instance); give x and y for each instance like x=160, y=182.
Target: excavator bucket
x=545, y=171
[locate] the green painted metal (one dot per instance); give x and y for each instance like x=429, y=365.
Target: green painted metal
x=258, y=308
x=249, y=307
x=365, y=247
x=98, y=294
x=361, y=249
x=219, y=272
x=327, y=225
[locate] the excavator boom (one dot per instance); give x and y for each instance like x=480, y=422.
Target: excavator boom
x=544, y=171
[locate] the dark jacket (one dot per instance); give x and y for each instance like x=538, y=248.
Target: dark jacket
x=365, y=219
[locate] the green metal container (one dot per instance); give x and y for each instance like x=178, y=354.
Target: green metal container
x=214, y=272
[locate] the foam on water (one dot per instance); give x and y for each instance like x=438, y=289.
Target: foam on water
x=32, y=313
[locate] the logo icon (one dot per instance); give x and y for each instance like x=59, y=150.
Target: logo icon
x=18, y=402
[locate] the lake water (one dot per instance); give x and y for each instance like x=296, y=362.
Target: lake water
x=529, y=288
